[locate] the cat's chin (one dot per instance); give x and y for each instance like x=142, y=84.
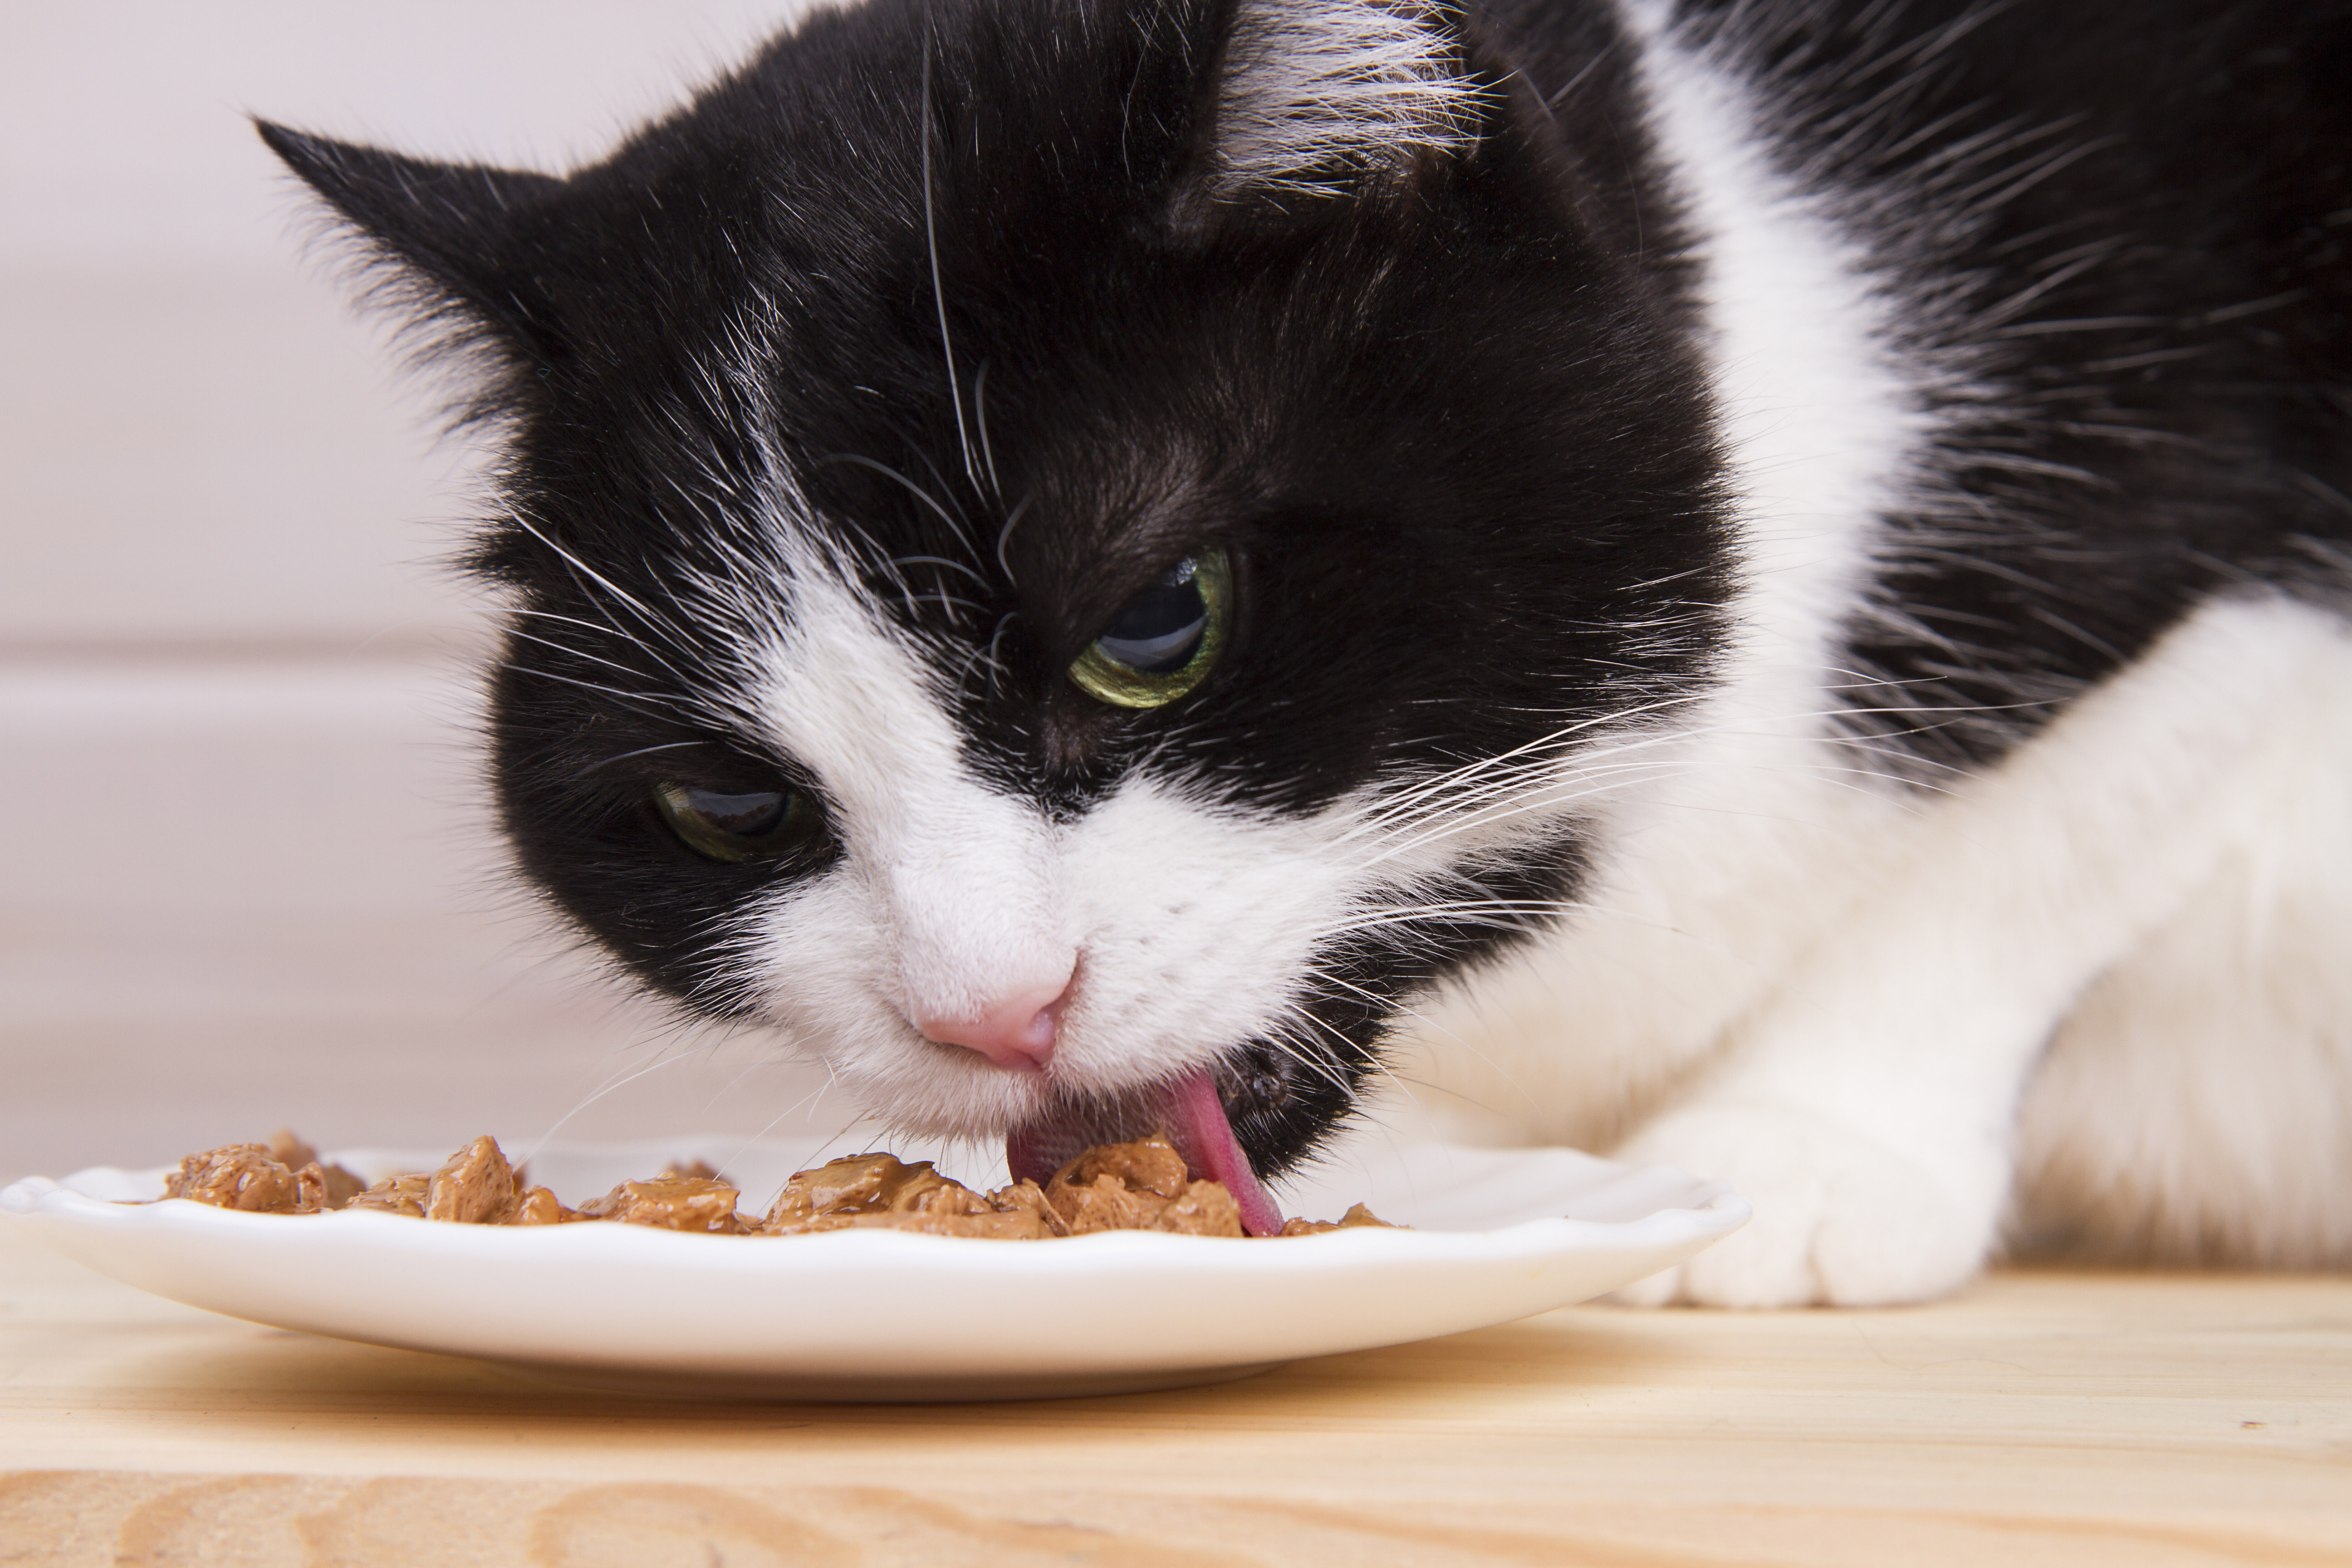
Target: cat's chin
x=1189, y=1111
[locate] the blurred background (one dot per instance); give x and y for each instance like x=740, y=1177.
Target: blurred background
x=246, y=877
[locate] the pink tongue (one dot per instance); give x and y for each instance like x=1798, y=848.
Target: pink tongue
x=1196, y=1124
x=1198, y=1127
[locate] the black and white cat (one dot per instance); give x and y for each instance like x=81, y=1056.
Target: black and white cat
x=1776, y=570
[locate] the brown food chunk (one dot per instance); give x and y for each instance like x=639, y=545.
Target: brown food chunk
x=676, y=1203
x=881, y=1192
x=539, y=1207
x=1142, y=1185
x=693, y=1170
x=1026, y=1196
x=1147, y=1165
x=395, y=1195
x=293, y=1153
x=290, y=1151
x=476, y=1186
x=986, y=1223
x=342, y=1185
x=1356, y=1216
x=244, y=1176
x=835, y=1192
x=1203, y=1208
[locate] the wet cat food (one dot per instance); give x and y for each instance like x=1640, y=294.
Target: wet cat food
x=1141, y=1185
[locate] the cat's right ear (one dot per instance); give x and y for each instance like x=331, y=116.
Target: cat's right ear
x=457, y=237
x=1321, y=101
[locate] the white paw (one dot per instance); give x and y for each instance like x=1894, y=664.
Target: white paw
x=1839, y=1218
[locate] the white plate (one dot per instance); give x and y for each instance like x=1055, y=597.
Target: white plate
x=875, y=1315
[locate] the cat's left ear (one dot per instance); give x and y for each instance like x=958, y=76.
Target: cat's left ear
x=460, y=236
x=1317, y=99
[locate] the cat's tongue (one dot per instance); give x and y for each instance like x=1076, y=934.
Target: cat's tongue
x=1196, y=1123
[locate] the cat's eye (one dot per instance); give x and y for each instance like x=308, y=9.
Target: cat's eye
x=756, y=825
x=1164, y=641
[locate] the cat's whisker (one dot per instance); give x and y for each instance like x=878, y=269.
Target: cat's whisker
x=1556, y=739
x=954, y=524
x=811, y=1100
x=769, y=1059
x=613, y=1085
x=948, y=489
x=602, y=629
x=1371, y=1060
x=1509, y=767
x=1005, y=534
x=1514, y=787
x=570, y=652
x=940, y=561
x=938, y=291
x=1491, y=817
x=980, y=417
x=653, y=621
x=1306, y=1056
x=1515, y=780
x=1399, y=1079
x=642, y=752
x=640, y=700
x=1411, y=914
x=1487, y=817
x=987, y=655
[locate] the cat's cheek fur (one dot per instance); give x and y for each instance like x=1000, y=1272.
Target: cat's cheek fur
x=1201, y=925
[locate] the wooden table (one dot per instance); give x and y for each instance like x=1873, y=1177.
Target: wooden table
x=2041, y=1418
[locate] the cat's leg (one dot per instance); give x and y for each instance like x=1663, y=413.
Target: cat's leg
x=2197, y=1105
x=1868, y=1107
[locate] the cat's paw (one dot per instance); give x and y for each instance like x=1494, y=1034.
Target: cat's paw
x=1841, y=1218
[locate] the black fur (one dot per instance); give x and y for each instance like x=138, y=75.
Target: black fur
x=1451, y=429
x=2124, y=233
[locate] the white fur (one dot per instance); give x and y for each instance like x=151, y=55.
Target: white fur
x=1869, y=1099
x=2197, y=1103
x=1316, y=93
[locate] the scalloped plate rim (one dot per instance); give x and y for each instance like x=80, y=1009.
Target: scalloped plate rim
x=845, y=1314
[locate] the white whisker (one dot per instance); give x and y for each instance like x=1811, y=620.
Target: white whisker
x=939, y=294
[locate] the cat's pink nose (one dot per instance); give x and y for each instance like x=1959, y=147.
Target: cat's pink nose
x=1017, y=1032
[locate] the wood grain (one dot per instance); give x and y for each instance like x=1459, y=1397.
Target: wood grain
x=2041, y=1418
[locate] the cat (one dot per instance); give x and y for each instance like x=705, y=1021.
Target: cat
x=1771, y=576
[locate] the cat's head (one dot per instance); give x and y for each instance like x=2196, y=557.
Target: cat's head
x=1068, y=555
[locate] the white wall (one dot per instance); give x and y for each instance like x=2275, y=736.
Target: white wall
x=197, y=439
x=243, y=875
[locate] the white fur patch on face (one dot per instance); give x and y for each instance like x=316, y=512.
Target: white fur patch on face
x=1319, y=94
x=945, y=897
x=1191, y=927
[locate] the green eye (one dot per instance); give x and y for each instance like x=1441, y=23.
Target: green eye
x=1163, y=643
x=760, y=825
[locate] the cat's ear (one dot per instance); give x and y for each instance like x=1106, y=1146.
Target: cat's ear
x=1316, y=100
x=457, y=237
